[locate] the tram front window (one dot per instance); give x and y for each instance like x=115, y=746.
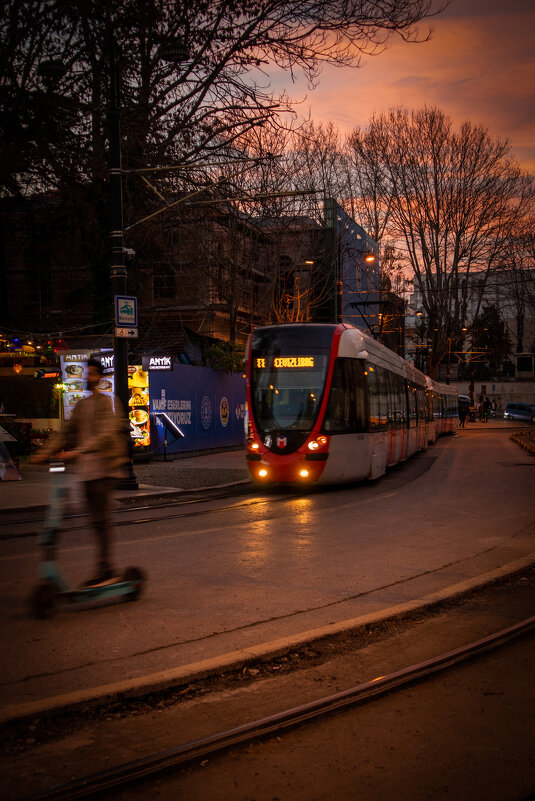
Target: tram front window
x=286, y=395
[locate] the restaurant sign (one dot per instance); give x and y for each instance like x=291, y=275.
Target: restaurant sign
x=157, y=362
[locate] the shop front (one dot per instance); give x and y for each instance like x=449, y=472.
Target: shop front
x=172, y=408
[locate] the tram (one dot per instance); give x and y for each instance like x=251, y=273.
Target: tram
x=328, y=404
x=443, y=413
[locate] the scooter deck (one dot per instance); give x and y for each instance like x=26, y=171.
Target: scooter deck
x=106, y=591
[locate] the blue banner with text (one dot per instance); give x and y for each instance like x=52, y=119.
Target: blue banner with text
x=208, y=406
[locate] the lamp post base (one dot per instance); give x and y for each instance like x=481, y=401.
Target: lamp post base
x=129, y=482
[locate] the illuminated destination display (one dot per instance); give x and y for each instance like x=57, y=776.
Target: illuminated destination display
x=286, y=362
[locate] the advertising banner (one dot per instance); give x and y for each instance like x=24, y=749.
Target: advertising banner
x=207, y=405
x=74, y=374
x=138, y=403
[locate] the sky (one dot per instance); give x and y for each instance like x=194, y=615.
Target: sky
x=479, y=66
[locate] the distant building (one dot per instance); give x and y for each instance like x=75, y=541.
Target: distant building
x=210, y=274
x=512, y=294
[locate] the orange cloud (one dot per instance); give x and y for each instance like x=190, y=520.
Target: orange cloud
x=479, y=65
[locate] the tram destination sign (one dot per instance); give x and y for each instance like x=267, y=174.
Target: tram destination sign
x=284, y=362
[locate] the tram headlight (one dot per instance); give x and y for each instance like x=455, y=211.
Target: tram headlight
x=317, y=443
x=262, y=472
x=303, y=473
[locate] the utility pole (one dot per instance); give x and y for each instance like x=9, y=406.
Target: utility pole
x=118, y=269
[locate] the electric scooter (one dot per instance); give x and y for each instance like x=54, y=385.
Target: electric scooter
x=53, y=586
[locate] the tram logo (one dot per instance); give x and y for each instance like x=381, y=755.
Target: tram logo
x=282, y=442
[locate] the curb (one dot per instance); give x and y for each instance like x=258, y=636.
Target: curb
x=144, y=685
x=518, y=439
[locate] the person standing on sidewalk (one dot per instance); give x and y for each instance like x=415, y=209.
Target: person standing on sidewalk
x=95, y=438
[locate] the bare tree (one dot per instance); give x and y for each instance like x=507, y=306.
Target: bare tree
x=55, y=58
x=515, y=285
x=367, y=180
x=170, y=111
x=452, y=200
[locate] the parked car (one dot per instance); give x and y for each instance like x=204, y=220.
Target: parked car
x=519, y=411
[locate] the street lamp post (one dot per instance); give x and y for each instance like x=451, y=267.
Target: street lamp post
x=172, y=51
x=118, y=269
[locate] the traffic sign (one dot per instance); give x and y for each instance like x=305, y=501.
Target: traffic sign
x=128, y=333
x=125, y=311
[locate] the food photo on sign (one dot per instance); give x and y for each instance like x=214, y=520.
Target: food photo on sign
x=138, y=403
x=74, y=372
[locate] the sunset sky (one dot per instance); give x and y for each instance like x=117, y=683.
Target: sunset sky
x=479, y=65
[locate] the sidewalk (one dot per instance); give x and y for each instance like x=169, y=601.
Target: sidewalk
x=154, y=479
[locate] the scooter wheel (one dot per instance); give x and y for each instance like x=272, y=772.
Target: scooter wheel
x=136, y=577
x=43, y=601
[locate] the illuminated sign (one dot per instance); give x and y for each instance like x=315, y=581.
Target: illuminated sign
x=286, y=362
x=158, y=363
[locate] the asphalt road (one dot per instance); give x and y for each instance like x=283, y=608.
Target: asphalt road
x=229, y=576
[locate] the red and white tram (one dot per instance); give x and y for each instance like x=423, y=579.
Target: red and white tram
x=443, y=409
x=329, y=404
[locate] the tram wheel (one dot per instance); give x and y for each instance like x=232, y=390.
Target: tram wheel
x=43, y=601
x=137, y=577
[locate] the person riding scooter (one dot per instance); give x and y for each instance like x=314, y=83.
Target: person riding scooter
x=95, y=438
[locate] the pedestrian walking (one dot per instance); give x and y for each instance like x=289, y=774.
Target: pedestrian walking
x=95, y=437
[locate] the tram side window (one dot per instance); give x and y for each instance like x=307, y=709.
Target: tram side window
x=413, y=410
x=378, y=396
x=382, y=376
x=400, y=414
x=390, y=397
x=429, y=398
x=422, y=403
x=346, y=407
x=373, y=397
x=359, y=398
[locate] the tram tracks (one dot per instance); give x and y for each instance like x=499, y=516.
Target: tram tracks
x=37, y=523
x=155, y=764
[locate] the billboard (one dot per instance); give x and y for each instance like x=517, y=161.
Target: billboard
x=74, y=375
